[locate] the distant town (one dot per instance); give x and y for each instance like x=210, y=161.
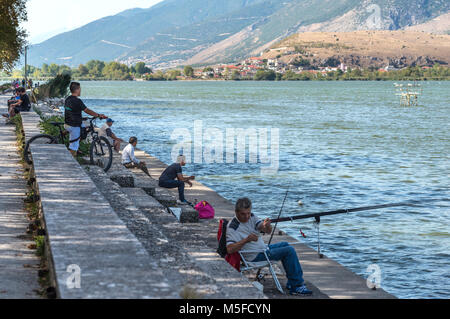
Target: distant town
x=250, y=69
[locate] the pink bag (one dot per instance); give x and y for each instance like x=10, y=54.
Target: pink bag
x=205, y=210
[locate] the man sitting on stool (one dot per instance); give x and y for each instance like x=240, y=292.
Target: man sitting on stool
x=128, y=158
x=173, y=177
x=244, y=233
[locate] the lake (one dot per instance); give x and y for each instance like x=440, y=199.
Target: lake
x=341, y=145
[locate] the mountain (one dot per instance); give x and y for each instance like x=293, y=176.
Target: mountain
x=177, y=32
x=365, y=49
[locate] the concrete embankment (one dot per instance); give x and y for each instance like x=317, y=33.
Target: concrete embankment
x=180, y=255
x=104, y=243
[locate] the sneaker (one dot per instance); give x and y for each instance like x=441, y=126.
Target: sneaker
x=6, y=115
x=185, y=202
x=301, y=291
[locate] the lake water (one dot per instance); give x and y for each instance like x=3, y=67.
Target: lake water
x=342, y=145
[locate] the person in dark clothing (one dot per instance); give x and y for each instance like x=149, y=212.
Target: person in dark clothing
x=73, y=109
x=23, y=104
x=172, y=177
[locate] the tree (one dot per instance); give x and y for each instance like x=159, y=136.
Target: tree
x=141, y=68
x=53, y=69
x=173, y=74
x=95, y=68
x=116, y=71
x=12, y=35
x=188, y=71
x=236, y=75
x=44, y=69
x=263, y=75
x=83, y=70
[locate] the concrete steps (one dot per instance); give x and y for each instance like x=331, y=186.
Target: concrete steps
x=84, y=231
x=172, y=244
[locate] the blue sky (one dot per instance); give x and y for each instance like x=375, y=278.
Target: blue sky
x=47, y=18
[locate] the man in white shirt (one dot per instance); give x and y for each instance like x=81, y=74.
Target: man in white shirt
x=128, y=158
x=244, y=233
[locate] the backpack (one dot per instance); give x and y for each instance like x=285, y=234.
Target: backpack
x=234, y=259
x=222, y=238
x=205, y=210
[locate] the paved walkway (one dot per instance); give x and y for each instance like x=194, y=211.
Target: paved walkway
x=18, y=264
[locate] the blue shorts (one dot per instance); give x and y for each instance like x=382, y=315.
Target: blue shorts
x=75, y=133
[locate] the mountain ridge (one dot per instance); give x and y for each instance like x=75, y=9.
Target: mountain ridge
x=177, y=32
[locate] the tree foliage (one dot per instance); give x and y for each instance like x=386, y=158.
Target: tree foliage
x=12, y=35
x=188, y=71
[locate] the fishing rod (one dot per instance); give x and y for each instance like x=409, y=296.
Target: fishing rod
x=339, y=211
x=258, y=275
x=279, y=215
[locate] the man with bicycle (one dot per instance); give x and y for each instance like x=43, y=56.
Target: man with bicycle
x=73, y=108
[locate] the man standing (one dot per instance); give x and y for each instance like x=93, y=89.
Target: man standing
x=128, y=158
x=172, y=177
x=107, y=132
x=73, y=108
x=243, y=233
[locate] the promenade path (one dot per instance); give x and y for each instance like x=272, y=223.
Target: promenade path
x=18, y=264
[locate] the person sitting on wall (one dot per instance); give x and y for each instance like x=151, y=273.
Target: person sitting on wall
x=22, y=104
x=128, y=158
x=172, y=177
x=244, y=233
x=107, y=132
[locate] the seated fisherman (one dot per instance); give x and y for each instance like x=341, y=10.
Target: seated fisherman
x=107, y=132
x=22, y=104
x=172, y=177
x=244, y=233
x=128, y=158
x=14, y=99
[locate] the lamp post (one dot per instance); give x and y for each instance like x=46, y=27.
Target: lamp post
x=26, y=66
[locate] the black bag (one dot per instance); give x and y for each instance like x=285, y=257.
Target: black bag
x=83, y=133
x=222, y=238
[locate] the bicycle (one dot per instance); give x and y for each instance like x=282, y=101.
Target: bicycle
x=100, y=151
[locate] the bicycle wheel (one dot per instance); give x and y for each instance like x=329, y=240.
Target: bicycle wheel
x=38, y=139
x=101, y=153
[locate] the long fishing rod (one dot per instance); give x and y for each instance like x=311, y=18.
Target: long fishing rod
x=339, y=211
x=279, y=215
x=259, y=277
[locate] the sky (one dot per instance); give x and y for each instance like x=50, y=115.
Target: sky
x=47, y=18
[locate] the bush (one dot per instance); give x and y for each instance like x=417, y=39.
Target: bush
x=265, y=75
x=56, y=87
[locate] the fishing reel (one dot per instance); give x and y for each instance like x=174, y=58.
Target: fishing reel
x=260, y=277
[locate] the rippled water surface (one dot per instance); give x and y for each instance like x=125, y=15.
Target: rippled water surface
x=342, y=145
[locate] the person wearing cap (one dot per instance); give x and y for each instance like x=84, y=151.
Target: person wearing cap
x=107, y=132
x=128, y=158
x=172, y=177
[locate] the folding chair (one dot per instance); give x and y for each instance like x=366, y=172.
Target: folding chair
x=248, y=265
